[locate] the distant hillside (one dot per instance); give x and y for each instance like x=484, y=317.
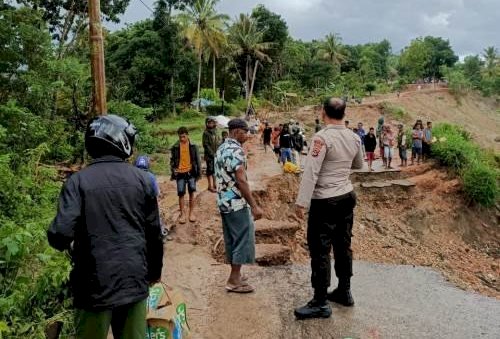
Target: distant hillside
x=479, y=115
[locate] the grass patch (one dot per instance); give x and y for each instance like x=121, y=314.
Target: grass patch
x=478, y=169
x=394, y=111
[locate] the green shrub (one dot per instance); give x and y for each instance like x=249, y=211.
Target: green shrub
x=33, y=277
x=240, y=105
x=481, y=183
x=370, y=87
x=215, y=110
x=190, y=114
x=478, y=169
x=209, y=94
x=454, y=151
x=396, y=112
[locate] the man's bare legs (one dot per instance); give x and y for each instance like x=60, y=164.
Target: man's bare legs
x=235, y=276
x=192, y=218
x=182, y=217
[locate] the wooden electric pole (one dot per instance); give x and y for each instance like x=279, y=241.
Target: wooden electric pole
x=99, y=105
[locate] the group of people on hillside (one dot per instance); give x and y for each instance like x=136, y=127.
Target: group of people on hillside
x=286, y=140
x=388, y=140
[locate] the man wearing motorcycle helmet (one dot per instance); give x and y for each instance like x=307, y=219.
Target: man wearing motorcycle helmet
x=109, y=222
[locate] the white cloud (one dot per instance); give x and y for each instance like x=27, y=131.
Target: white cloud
x=470, y=25
x=441, y=19
x=295, y=5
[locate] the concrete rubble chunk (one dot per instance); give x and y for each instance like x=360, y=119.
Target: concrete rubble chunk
x=272, y=254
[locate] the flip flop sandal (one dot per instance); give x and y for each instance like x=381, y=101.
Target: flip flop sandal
x=244, y=288
x=182, y=220
x=192, y=219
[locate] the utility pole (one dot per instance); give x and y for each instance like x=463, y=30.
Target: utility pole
x=99, y=105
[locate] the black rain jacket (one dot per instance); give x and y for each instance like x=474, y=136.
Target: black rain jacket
x=175, y=159
x=110, y=213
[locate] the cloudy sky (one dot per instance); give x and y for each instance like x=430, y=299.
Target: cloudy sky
x=470, y=25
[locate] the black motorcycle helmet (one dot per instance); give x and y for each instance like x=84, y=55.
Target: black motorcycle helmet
x=110, y=135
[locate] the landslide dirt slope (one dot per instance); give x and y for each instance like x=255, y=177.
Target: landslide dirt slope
x=479, y=115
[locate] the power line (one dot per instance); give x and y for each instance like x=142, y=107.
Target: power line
x=149, y=8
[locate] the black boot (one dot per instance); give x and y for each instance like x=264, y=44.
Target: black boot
x=314, y=309
x=342, y=294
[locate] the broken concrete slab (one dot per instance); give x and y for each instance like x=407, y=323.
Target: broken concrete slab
x=272, y=254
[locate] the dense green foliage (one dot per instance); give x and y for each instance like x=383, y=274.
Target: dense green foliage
x=154, y=70
x=480, y=175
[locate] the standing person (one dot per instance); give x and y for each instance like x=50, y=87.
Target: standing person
x=318, y=126
x=108, y=220
x=286, y=145
x=362, y=133
x=370, y=145
x=236, y=205
x=185, y=169
x=328, y=193
x=142, y=162
x=417, y=136
x=266, y=136
x=426, y=142
x=298, y=146
x=210, y=144
x=275, y=138
x=402, y=146
x=388, y=142
x=380, y=126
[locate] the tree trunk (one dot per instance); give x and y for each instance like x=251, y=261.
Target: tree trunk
x=247, y=80
x=199, y=82
x=172, y=93
x=213, y=75
x=253, y=82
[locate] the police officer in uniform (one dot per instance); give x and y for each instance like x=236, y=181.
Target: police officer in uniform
x=327, y=192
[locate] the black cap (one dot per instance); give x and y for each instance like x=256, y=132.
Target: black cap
x=237, y=123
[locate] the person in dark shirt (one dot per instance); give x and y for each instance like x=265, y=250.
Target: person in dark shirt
x=286, y=144
x=370, y=142
x=318, y=126
x=266, y=136
x=108, y=221
x=298, y=146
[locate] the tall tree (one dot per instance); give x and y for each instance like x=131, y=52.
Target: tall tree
x=333, y=51
x=203, y=27
x=246, y=40
x=441, y=54
x=275, y=31
x=414, y=59
x=69, y=17
x=169, y=5
x=491, y=58
x=472, y=69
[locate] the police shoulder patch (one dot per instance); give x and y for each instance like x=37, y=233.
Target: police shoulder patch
x=317, y=146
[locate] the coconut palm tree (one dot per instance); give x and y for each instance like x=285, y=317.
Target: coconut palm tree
x=204, y=29
x=332, y=50
x=246, y=40
x=491, y=57
x=212, y=53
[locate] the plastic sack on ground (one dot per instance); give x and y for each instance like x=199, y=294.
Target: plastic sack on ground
x=167, y=314
x=290, y=167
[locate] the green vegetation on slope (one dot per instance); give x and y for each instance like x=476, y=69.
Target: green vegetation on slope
x=479, y=170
